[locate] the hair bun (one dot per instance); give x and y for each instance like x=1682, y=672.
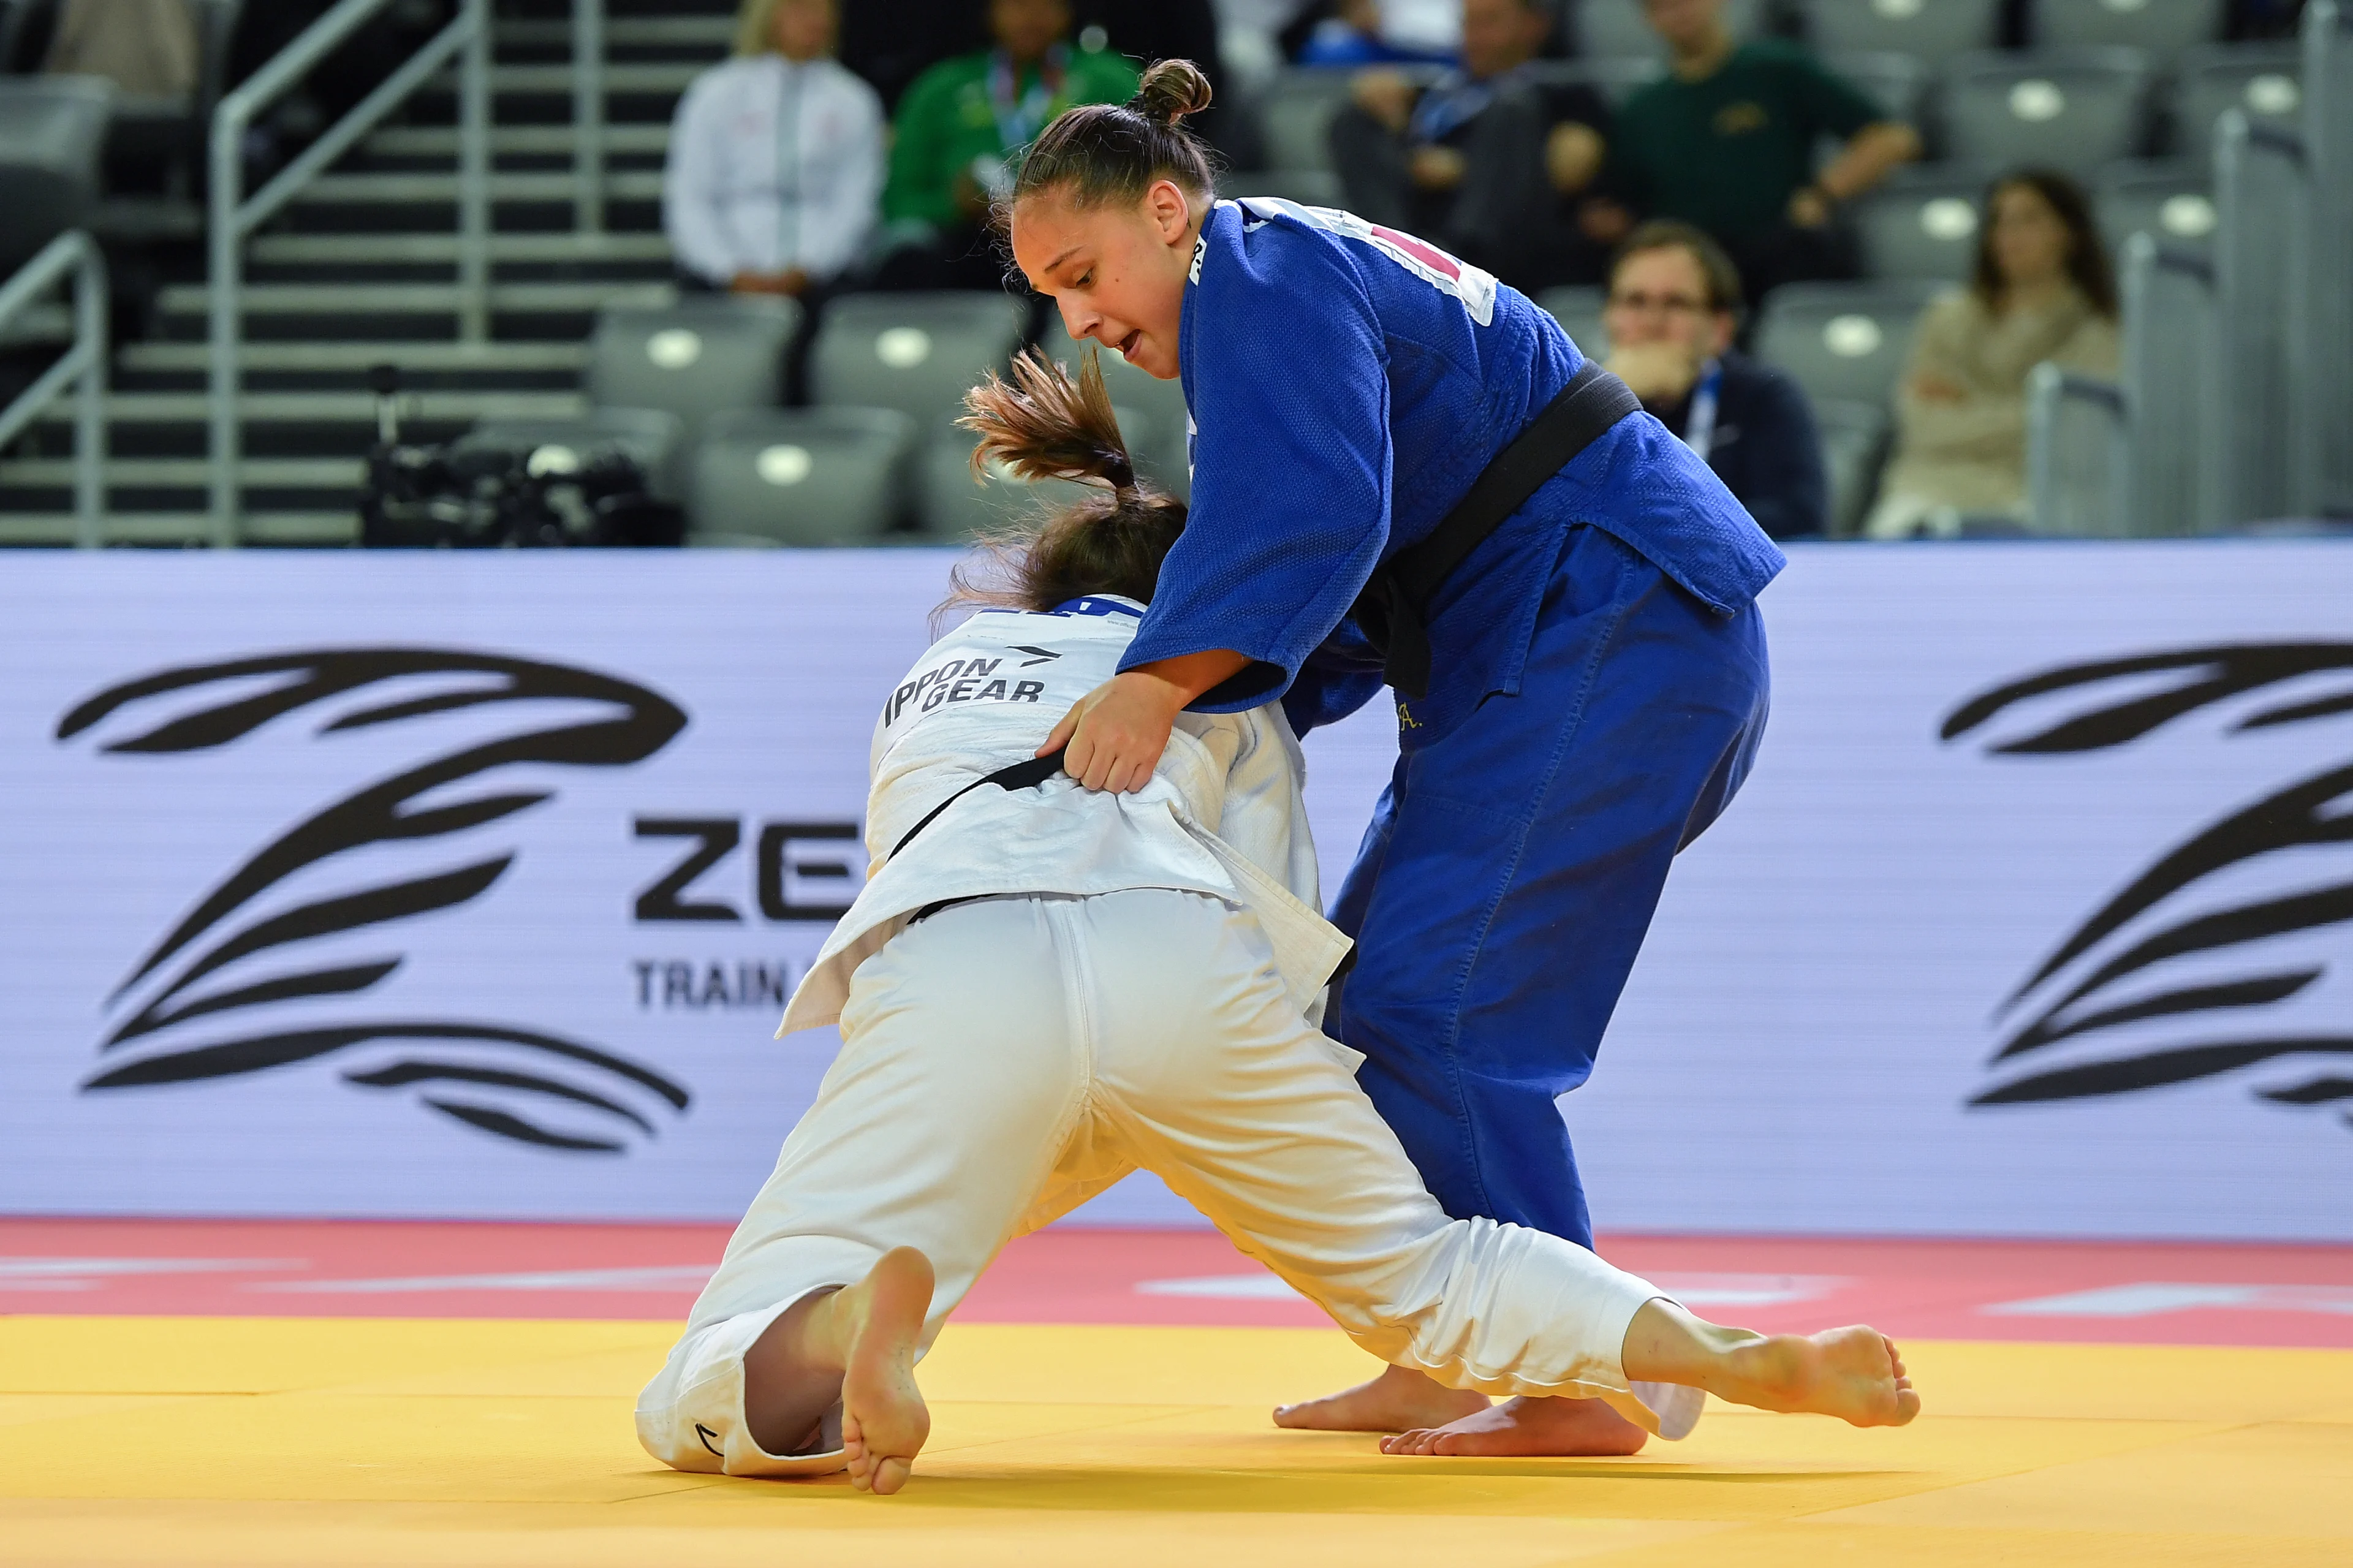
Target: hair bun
x=1171, y=90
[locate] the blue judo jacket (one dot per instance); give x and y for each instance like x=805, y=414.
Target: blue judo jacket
x=1348, y=382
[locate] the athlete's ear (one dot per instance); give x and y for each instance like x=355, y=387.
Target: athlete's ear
x=1169, y=211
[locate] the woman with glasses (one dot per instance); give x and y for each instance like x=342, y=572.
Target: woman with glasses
x=1674, y=307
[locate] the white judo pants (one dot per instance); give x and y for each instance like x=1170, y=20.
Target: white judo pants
x=1006, y=1059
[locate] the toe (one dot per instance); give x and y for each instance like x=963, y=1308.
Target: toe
x=891, y=1474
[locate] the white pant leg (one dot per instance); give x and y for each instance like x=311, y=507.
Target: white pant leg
x=1214, y=1081
x=961, y=1082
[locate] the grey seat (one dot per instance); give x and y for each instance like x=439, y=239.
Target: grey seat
x=917, y=353
x=958, y=504
x=693, y=359
x=1607, y=28
x=1854, y=447
x=1295, y=113
x=52, y=130
x=1309, y=187
x=800, y=476
x=1923, y=223
x=2171, y=201
x=655, y=440
x=1578, y=311
x=1931, y=31
x=2161, y=29
x=2073, y=110
x=2263, y=81
x=1614, y=76
x=1160, y=446
x=1897, y=83
x=1842, y=341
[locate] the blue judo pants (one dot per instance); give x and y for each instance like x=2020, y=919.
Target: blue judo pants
x=1512, y=866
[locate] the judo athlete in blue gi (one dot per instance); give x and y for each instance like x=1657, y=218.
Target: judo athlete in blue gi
x=1402, y=469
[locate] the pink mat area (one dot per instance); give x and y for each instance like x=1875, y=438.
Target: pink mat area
x=2114, y=1293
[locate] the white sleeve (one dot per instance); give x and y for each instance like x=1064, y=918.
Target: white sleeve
x=691, y=194
x=848, y=197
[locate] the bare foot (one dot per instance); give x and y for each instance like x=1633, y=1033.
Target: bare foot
x=1399, y=1400
x=880, y=1320
x=1526, y=1429
x=1856, y=1374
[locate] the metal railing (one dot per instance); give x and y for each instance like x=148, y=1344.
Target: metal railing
x=466, y=39
x=85, y=362
x=588, y=115
x=2075, y=465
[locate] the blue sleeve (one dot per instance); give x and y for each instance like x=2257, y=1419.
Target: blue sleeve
x=1338, y=678
x=1286, y=375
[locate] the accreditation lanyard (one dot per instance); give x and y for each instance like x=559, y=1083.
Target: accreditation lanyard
x=1699, y=426
x=1020, y=118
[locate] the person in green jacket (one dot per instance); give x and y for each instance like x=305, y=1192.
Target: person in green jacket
x=960, y=129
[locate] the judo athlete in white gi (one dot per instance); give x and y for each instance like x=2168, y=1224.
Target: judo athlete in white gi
x=1042, y=988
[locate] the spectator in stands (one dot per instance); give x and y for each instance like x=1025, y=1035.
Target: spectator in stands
x=1674, y=301
x=2040, y=290
x=1726, y=141
x=1482, y=160
x=1351, y=35
x=775, y=158
x=143, y=46
x=960, y=127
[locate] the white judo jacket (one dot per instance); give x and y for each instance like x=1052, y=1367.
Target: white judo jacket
x=1221, y=816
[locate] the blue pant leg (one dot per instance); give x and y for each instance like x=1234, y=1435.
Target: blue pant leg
x=1507, y=886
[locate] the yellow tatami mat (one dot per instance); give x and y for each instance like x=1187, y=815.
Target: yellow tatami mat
x=331, y=1441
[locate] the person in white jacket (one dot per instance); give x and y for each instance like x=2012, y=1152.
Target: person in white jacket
x=775, y=178
x=1043, y=987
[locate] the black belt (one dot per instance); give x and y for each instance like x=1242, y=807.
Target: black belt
x=1390, y=608
x=1020, y=775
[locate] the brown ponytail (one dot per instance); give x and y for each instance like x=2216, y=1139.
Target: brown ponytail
x=1044, y=425
x=1104, y=152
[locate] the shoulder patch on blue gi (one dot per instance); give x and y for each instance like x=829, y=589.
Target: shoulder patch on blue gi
x=1476, y=286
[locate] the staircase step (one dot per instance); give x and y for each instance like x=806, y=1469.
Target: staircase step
x=564, y=247
x=441, y=141
x=192, y=408
x=193, y=473
x=269, y=355
x=312, y=528
x=376, y=299
x=715, y=33
x=417, y=188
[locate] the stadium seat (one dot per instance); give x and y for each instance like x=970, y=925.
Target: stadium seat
x=915, y=353
x=1614, y=78
x=2261, y=80
x=705, y=354
x=800, y=476
x=1922, y=223
x=2255, y=451
x=2167, y=310
x=1897, y=83
x=2172, y=200
x=1854, y=445
x=1618, y=27
x=654, y=438
x=2161, y=29
x=1160, y=446
x=1296, y=112
x=1931, y=31
x=958, y=504
x=2073, y=110
x=1842, y=341
x=1578, y=311
x=1309, y=187
x=51, y=131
